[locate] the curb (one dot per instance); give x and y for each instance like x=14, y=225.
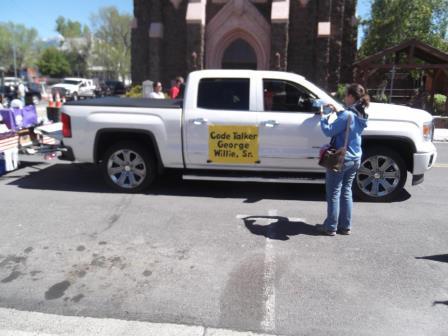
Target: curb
x=20, y=323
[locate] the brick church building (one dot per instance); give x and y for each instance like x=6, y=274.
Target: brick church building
x=314, y=38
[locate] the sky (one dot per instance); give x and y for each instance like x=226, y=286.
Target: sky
x=42, y=14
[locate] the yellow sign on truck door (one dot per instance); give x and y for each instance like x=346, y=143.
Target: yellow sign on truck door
x=233, y=144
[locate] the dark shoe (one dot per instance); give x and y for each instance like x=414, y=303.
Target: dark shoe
x=322, y=230
x=344, y=232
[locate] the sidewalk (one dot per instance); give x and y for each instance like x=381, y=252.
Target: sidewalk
x=19, y=323
x=441, y=134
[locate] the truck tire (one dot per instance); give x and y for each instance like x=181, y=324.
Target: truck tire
x=128, y=167
x=381, y=176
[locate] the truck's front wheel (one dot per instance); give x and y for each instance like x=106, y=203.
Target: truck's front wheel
x=128, y=167
x=381, y=177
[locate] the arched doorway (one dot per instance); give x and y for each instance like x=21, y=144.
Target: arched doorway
x=238, y=23
x=239, y=55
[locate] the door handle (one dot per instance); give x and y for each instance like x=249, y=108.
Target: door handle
x=199, y=121
x=270, y=123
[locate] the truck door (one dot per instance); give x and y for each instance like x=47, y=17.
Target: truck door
x=290, y=135
x=220, y=124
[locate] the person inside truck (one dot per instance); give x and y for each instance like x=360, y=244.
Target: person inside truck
x=339, y=184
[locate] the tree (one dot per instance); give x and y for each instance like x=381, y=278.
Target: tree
x=394, y=21
x=26, y=42
x=70, y=29
x=54, y=63
x=76, y=45
x=112, y=45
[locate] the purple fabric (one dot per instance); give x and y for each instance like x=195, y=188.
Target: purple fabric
x=9, y=118
x=29, y=116
x=15, y=119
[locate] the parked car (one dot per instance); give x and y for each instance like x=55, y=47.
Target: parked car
x=75, y=88
x=117, y=88
x=36, y=92
x=11, y=81
x=229, y=128
x=101, y=89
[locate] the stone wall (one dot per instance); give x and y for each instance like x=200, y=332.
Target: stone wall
x=325, y=60
x=174, y=61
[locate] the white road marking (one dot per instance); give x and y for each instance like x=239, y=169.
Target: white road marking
x=268, y=322
x=440, y=165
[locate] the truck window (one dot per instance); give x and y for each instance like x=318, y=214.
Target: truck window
x=224, y=94
x=281, y=95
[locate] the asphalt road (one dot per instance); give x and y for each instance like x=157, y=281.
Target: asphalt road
x=238, y=256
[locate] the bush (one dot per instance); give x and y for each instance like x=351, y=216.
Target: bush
x=340, y=92
x=439, y=104
x=135, y=92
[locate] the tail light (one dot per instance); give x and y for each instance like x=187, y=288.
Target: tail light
x=66, y=125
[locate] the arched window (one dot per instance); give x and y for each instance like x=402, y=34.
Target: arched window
x=239, y=55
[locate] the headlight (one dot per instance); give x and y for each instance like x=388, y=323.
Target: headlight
x=428, y=130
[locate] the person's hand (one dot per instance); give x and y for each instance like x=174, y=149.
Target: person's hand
x=332, y=107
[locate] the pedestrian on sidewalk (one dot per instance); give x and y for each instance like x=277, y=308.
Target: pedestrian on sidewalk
x=175, y=90
x=157, y=93
x=21, y=92
x=339, y=184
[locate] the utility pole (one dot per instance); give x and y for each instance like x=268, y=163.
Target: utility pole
x=14, y=53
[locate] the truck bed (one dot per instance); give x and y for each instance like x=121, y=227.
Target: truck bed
x=129, y=102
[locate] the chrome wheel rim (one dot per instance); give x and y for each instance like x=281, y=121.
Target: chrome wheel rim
x=126, y=168
x=378, y=176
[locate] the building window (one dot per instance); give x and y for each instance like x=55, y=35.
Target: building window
x=224, y=94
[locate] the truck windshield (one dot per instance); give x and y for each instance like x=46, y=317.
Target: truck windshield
x=71, y=82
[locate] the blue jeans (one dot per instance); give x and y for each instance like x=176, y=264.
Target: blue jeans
x=339, y=197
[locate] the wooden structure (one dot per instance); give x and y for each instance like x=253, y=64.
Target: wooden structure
x=428, y=66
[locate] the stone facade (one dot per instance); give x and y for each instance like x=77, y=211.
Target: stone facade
x=314, y=38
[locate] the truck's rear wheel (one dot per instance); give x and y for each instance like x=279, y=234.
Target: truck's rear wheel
x=381, y=177
x=129, y=167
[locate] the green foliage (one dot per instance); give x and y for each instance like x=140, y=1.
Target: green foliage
x=26, y=41
x=112, y=48
x=439, y=104
x=340, y=92
x=135, y=92
x=54, y=63
x=394, y=21
x=70, y=29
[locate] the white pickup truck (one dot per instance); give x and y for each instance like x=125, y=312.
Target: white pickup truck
x=74, y=88
x=237, y=125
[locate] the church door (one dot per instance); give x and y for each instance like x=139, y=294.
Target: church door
x=239, y=55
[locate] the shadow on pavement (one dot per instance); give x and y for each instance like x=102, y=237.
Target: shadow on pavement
x=440, y=303
x=440, y=258
x=282, y=229
x=88, y=178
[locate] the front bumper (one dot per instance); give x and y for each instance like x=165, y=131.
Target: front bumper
x=424, y=162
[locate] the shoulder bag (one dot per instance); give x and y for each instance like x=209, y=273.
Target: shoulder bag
x=332, y=158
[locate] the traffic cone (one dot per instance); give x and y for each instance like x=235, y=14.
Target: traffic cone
x=58, y=100
x=50, y=100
